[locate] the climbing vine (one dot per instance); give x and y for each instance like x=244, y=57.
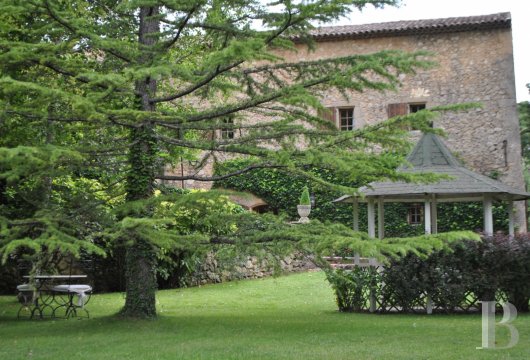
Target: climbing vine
x=282, y=193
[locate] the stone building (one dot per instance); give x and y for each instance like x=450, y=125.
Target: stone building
x=475, y=64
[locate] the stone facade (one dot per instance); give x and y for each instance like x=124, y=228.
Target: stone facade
x=474, y=64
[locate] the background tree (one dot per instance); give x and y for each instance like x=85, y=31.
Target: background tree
x=167, y=74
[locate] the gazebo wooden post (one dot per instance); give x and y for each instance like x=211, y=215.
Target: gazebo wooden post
x=371, y=218
x=356, y=256
x=431, y=227
x=380, y=218
x=488, y=215
x=427, y=216
x=355, y=214
x=434, y=215
x=511, y=219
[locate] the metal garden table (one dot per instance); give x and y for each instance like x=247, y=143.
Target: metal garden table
x=45, y=297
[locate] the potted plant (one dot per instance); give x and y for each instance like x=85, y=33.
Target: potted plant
x=304, y=208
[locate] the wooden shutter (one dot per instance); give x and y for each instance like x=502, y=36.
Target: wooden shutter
x=328, y=114
x=397, y=109
x=207, y=134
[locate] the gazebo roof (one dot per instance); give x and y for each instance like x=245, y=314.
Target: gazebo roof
x=430, y=155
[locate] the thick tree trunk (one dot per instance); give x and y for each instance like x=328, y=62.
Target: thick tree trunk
x=140, y=259
x=140, y=281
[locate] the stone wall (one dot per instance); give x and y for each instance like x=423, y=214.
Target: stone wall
x=472, y=66
x=213, y=270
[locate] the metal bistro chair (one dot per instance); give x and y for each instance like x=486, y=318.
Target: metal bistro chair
x=25, y=296
x=71, y=298
x=34, y=301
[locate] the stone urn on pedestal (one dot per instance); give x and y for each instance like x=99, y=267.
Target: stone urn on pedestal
x=304, y=208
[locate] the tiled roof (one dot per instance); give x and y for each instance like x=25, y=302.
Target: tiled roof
x=413, y=27
x=430, y=155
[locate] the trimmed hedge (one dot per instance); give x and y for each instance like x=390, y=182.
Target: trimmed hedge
x=496, y=267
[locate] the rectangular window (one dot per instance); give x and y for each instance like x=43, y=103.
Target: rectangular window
x=413, y=108
x=346, y=120
x=227, y=133
x=416, y=107
x=415, y=215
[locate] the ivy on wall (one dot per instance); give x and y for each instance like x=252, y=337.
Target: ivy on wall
x=282, y=192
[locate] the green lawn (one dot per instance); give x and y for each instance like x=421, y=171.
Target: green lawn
x=291, y=317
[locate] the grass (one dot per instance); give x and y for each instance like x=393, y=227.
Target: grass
x=291, y=317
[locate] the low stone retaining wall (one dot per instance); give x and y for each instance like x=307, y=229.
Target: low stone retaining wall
x=213, y=270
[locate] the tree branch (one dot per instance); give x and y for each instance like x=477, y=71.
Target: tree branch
x=212, y=147
x=219, y=177
x=74, y=31
x=83, y=80
x=182, y=26
x=255, y=101
x=220, y=69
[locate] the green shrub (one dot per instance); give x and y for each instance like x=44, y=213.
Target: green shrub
x=510, y=259
x=352, y=287
x=472, y=270
x=305, y=199
x=403, y=283
x=199, y=215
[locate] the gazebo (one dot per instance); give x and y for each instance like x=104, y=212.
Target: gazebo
x=430, y=155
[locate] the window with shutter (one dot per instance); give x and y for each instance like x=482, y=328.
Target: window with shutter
x=342, y=117
x=404, y=109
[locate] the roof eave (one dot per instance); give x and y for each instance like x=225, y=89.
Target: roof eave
x=413, y=27
x=440, y=197
x=407, y=32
